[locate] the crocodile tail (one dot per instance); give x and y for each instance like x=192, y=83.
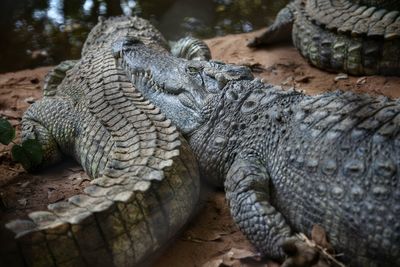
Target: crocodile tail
x=191, y=48
x=145, y=186
x=354, y=19
x=279, y=31
x=342, y=52
x=145, y=193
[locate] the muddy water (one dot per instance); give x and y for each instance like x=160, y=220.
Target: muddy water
x=45, y=32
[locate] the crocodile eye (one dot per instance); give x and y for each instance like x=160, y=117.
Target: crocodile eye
x=193, y=70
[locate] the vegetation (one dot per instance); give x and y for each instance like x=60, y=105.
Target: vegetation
x=29, y=153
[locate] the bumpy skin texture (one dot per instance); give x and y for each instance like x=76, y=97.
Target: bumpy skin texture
x=357, y=37
x=289, y=161
x=145, y=178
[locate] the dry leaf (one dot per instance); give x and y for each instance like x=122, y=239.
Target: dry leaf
x=238, y=253
x=318, y=235
x=361, y=80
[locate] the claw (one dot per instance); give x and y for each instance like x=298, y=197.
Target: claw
x=300, y=254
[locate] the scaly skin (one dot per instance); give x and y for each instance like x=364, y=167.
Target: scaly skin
x=287, y=161
x=145, y=178
x=356, y=37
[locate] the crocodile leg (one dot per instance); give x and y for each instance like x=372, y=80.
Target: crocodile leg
x=37, y=126
x=279, y=31
x=247, y=192
x=56, y=75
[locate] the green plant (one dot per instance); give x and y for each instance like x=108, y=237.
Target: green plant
x=29, y=153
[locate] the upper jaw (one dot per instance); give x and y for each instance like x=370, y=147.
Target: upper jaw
x=175, y=72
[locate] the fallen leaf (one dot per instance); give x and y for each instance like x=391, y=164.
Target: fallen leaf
x=238, y=257
x=361, y=80
x=318, y=235
x=238, y=253
x=195, y=237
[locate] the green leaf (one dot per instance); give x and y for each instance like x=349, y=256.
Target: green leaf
x=19, y=154
x=29, y=154
x=34, y=151
x=7, y=132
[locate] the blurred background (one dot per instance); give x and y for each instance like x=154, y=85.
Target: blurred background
x=45, y=32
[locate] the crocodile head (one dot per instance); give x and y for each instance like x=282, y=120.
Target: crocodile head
x=181, y=88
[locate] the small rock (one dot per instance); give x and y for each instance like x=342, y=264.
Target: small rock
x=341, y=76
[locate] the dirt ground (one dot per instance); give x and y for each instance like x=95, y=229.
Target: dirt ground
x=211, y=239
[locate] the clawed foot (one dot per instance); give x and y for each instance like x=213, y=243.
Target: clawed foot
x=301, y=254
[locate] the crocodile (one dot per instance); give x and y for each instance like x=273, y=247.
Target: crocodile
x=145, y=180
x=287, y=161
x=359, y=37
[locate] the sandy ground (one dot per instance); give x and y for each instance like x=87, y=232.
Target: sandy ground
x=211, y=239
x=283, y=65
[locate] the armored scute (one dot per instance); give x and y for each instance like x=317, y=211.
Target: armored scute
x=145, y=178
x=354, y=36
x=287, y=161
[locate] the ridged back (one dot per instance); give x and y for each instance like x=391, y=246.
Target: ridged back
x=146, y=182
x=344, y=16
x=387, y=4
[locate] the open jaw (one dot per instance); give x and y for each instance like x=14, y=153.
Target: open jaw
x=179, y=87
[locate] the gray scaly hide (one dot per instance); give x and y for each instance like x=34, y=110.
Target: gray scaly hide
x=145, y=179
x=287, y=161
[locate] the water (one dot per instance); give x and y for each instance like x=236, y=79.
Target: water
x=45, y=32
